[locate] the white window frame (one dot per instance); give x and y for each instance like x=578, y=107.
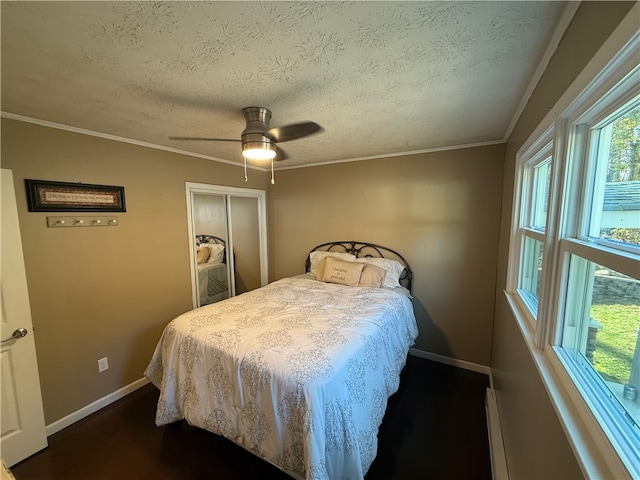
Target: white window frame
x=592, y=218
x=597, y=456
x=530, y=156
x=543, y=156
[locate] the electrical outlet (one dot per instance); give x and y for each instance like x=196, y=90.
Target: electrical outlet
x=103, y=364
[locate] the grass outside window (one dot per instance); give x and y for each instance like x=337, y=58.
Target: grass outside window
x=616, y=340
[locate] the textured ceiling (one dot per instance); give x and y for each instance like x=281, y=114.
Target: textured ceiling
x=382, y=78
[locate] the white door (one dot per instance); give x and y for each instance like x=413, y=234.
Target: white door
x=22, y=428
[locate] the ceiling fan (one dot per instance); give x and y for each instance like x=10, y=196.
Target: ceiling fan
x=259, y=141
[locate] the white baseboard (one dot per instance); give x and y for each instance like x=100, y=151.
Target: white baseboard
x=496, y=445
x=126, y=390
x=474, y=367
x=94, y=406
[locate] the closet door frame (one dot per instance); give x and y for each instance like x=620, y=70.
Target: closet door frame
x=227, y=192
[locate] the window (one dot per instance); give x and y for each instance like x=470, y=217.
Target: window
x=540, y=188
x=574, y=268
x=597, y=338
x=600, y=336
x=531, y=268
x=536, y=177
x=615, y=209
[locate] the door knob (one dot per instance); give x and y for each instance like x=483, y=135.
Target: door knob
x=19, y=333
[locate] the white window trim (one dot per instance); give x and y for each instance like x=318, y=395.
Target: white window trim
x=529, y=155
x=619, y=260
x=591, y=218
x=595, y=454
x=593, y=450
x=545, y=158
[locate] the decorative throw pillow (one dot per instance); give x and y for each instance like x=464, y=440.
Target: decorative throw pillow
x=394, y=269
x=372, y=276
x=342, y=272
x=317, y=257
x=202, y=255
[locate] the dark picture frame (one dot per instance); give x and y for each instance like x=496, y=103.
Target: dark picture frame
x=47, y=196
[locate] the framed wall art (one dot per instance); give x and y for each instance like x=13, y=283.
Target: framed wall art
x=46, y=196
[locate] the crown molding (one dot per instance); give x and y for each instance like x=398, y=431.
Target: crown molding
x=398, y=154
x=116, y=138
x=558, y=33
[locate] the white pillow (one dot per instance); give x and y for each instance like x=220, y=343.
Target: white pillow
x=317, y=257
x=216, y=252
x=394, y=269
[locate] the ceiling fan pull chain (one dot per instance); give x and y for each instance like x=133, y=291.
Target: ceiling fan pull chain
x=245, y=170
x=273, y=181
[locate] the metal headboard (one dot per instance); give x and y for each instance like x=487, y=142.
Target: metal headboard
x=205, y=238
x=364, y=249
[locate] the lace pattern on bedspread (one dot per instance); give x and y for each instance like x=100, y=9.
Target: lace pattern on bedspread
x=298, y=372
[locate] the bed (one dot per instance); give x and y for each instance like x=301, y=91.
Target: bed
x=212, y=269
x=297, y=372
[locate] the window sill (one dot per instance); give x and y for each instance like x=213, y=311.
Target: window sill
x=593, y=450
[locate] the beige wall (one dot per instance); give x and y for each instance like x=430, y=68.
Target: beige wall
x=105, y=291
x=535, y=443
x=109, y=291
x=441, y=211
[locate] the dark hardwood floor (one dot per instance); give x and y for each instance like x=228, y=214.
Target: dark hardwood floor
x=435, y=427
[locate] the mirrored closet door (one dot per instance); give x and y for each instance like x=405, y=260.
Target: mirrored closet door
x=227, y=233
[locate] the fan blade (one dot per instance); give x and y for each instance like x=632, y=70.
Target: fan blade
x=207, y=139
x=293, y=131
x=280, y=155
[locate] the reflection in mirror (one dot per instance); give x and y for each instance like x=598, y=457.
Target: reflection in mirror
x=246, y=242
x=228, y=241
x=210, y=222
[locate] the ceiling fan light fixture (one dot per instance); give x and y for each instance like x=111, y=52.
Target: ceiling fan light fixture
x=258, y=150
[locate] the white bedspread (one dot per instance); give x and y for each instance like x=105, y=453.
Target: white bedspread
x=212, y=281
x=298, y=372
